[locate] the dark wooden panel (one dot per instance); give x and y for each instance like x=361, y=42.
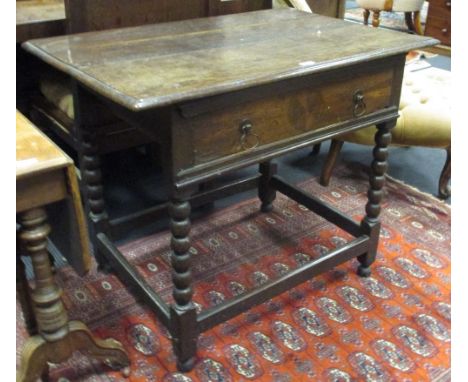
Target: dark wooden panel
x=94, y=15
x=39, y=18
x=225, y=7
x=331, y=8
x=438, y=23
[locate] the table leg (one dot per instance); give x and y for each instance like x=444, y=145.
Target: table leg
x=371, y=224
x=266, y=193
x=23, y=292
x=184, y=328
x=90, y=164
x=57, y=338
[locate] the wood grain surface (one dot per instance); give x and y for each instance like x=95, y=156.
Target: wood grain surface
x=39, y=18
x=35, y=152
x=156, y=65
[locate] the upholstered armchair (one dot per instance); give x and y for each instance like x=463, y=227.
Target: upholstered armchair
x=425, y=120
x=412, y=9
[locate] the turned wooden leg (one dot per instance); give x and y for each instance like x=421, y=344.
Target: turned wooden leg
x=333, y=152
x=48, y=307
x=183, y=328
x=266, y=193
x=24, y=295
x=90, y=164
x=316, y=149
x=56, y=339
x=375, y=18
x=370, y=224
x=444, y=188
x=366, y=15
x=417, y=23
x=409, y=20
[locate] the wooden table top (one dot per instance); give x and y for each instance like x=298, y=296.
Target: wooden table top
x=32, y=11
x=39, y=18
x=35, y=152
x=161, y=64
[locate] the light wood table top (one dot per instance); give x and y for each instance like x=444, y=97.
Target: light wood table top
x=35, y=152
x=45, y=175
x=156, y=65
x=39, y=18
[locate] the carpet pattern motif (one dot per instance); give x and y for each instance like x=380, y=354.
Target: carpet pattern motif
x=393, y=326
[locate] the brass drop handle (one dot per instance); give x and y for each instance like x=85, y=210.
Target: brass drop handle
x=246, y=132
x=448, y=4
x=359, y=103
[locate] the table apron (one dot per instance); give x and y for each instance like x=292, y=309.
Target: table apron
x=212, y=169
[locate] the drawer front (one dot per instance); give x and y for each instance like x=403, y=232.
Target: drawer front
x=241, y=129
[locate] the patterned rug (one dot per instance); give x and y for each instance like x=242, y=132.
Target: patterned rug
x=391, y=20
x=393, y=326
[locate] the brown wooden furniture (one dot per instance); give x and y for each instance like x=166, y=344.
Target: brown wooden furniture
x=438, y=22
x=267, y=83
x=39, y=18
x=52, y=108
x=332, y=8
x=411, y=8
x=44, y=175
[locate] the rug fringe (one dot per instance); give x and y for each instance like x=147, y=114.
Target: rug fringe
x=444, y=377
x=422, y=193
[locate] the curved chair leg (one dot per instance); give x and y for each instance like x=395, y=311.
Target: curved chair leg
x=376, y=18
x=417, y=23
x=335, y=148
x=366, y=15
x=409, y=20
x=444, y=188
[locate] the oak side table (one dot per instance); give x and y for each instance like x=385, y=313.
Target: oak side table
x=223, y=93
x=45, y=175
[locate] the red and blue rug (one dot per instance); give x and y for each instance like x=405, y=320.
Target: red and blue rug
x=393, y=326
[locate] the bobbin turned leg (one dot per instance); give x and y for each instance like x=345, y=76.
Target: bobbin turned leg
x=370, y=224
x=184, y=329
x=90, y=164
x=23, y=292
x=57, y=338
x=266, y=193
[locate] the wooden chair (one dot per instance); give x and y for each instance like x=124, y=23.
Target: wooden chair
x=425, y=121
x=411, y=8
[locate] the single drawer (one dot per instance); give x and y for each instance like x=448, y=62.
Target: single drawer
x=242, y=128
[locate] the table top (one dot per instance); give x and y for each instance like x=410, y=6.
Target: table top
x=34, y=11
x=39, y=18
x=35, y=152
x=162, y=64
